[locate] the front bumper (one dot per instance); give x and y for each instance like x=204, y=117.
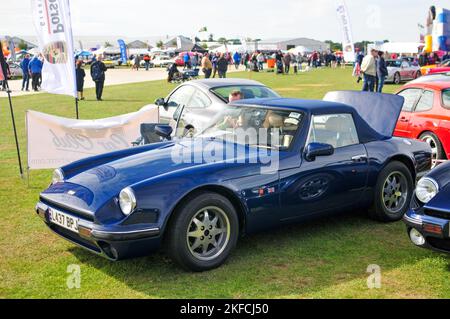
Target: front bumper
x=114, y=242
x=435, y=230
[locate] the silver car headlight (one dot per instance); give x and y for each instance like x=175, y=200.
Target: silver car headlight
x=427, y=189
x=127, y=201
x=58, y=176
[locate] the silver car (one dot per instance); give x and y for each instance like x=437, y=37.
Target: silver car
x=16, y=70
x=191, y=105
x=400, y=71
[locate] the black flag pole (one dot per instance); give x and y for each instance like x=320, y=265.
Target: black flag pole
x=3, y=70
x=76, y=108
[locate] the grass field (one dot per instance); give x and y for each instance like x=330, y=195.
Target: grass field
x=325, y=258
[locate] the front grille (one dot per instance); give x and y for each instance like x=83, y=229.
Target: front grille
x=437, y=214
x=75, y=238
x=439, y=243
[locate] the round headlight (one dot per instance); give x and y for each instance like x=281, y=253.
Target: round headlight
x=127, y=201
x=427, y=189
x=58, y=176
x=416, y=237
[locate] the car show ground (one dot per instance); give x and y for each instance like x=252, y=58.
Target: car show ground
x=113, y=77
x=330, y=257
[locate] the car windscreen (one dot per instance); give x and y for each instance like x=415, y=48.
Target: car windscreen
x=247, y=92
x=446, y=98
x=394, y=64
x=254, y=126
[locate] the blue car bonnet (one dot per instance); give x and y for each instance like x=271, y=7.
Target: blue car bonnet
x=380, y=111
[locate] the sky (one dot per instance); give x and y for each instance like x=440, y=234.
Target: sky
x=395, y=20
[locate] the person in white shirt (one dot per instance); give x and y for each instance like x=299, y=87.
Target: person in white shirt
x=369, y=70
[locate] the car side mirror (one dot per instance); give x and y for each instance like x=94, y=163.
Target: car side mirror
x=315, y=150
x=162, y=102
x=164, y=131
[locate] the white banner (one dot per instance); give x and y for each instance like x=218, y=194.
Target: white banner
x=348, y=47
x=54, y=32
x=55, y=141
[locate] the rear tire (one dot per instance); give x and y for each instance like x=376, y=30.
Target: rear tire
x=393, y=193
x=418, y=75
x=203, y=232
x=397, y=78
x=435, y=144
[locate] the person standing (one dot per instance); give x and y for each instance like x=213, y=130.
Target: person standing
x=214, y=60
x=369, y=70
x=26, y=73
x=261, y=60
x=187, y=61
x=137, y=62
x=80, y=75
x=147, y=62
x=222, y=66
x=206, y=66
x=237, y=60
x=35, y=68
x=98, y=69
x=194, y=60
x=287, y=63
x=382, y=71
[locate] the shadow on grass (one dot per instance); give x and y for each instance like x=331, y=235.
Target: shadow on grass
x=296, y=260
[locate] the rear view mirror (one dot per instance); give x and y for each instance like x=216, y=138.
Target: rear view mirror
x=162, y=102
x=165, y=131
x=315, y=150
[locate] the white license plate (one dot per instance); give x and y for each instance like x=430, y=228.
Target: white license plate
x=63, y=220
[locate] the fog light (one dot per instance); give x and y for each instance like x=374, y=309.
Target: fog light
x=416, y=237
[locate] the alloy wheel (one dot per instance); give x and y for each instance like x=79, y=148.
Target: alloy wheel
x=395, y=192
x=208, y=233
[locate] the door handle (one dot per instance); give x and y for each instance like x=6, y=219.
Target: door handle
x=404, y=120
x=359, y=158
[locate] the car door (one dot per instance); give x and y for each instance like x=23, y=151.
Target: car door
x=405, y=71
x=328, y=183
x=411, y=96
x=175, y=103
x=421, y=120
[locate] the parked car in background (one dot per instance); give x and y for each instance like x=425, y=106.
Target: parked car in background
x=443, y=67
x=16, y=70
x=401, y=70
x=428, y=220
x=192, y=104
x=110, y=64
x=132, y=202
x=162, y=61
x=426, y=116
x=434, y=77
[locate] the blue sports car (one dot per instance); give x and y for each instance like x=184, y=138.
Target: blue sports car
x=428, y=220
x=257, y=165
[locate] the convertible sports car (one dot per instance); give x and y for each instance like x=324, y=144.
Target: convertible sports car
x=259, y=164
x=428, y=220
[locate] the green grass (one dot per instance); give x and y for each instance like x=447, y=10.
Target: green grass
x=325, y=258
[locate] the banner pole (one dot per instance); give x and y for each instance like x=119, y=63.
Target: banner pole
x=76, y=108
x=15, y=132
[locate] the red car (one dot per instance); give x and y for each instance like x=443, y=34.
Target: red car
x=426, y=116
x=441, y=68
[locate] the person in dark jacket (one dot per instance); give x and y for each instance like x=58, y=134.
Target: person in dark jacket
x=382, y=71
x=98, y=69
x=80, y=75
x=222, y=66
x=35, y=68
x=26, y=73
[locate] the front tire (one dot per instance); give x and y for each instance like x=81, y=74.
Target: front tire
x=393, y=193
x=203, y=232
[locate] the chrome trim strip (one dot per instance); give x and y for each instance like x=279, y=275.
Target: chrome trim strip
x=126, y=232
x=412, y=220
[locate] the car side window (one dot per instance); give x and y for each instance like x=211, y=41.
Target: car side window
x=199, y=100
x=181, y=97
x=446, y=98
x=338, y=130
x=425, y=102
x=411, y=96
